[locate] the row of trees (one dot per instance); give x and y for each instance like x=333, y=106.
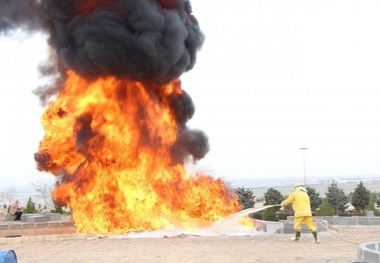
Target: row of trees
x=43, y=190
x=334, y=202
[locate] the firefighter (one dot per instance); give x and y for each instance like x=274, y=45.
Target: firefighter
x=302, y=211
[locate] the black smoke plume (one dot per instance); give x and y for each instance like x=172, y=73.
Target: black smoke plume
x=25, y=14
x=151, y=41
x=143, y=40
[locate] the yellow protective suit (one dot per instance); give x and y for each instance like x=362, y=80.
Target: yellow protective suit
x=301, y=203
x=302, y=210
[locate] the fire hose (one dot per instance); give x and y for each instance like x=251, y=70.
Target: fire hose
x=248, y=211
x=331, y=231
x=324, y=226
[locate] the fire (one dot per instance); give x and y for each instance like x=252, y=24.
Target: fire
x=247, y=222
x=111, y=140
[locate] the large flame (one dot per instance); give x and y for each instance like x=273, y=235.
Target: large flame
x=111, y=140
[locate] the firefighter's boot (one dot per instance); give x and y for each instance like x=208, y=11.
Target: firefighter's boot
x=297, y=236
x=316, y=239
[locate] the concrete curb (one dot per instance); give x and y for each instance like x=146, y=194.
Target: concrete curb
x=348, y=220
x=369, y=252
x=28, y=225
x=286, y=227
x=46, y=238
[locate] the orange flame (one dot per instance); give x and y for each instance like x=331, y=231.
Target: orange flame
x=247, y=222
x=110, y=139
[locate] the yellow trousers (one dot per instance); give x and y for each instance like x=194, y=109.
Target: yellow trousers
x=308, y=221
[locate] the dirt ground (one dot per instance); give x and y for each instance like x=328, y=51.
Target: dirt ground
x=187, y=248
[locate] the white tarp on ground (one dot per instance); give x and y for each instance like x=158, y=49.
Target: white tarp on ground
x=230, y=226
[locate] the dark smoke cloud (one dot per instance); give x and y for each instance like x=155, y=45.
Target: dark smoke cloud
x=25, y=14
x=152, y=41
x=182, y=107
x=132, y=39
x=143, y=40
x=190, y=142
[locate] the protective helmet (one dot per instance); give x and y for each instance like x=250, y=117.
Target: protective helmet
x=297, y=185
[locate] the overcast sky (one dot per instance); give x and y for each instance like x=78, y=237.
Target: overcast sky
x=272, y=77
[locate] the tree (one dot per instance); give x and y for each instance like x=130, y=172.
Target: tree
x=45, y=190
x=270, y=215
x=246, y=197
x=372, y=206
x=30, y=207
x=360, y=197
x=336, y=197
x=9, y=194
x=315, y=199
x=273, y=197
x=325, y=209
x=376, y=198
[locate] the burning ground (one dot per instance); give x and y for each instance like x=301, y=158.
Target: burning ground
x=116, y=134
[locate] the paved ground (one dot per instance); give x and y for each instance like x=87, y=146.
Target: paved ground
x=58, y=242
x=63, y=244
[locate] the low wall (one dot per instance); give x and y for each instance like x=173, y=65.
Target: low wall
x=348, y=220
x=268, y=226
x=52, y=216
x=283, y=227
x=369, y=252
x=29, y=225
x=43, y=217
x=287, y=227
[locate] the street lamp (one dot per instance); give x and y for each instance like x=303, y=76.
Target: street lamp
x=304, y=169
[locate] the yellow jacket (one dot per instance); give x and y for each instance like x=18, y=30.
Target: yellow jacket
x=301, y=203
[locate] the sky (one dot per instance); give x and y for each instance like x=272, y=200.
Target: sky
x=272, y=77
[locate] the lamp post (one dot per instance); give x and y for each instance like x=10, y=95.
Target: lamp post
x=304, y=169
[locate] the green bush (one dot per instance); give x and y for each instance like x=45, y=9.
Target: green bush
x=57, y=209
x=361, y=197
x=325, y=209
x=283, y=214
x=371, y=206
x=270, y=215
x=30, y=207
x=336, y=197
x=246, y=197
x=273, y=197
x=315, y=199
x=258, y=216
